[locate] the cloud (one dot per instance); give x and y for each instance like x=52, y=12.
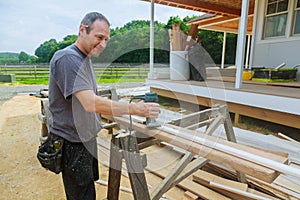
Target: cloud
x=27, y=24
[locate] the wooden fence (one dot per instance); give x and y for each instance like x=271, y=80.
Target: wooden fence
x=41, y=71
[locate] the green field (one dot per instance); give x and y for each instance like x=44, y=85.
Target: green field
x=40, y=74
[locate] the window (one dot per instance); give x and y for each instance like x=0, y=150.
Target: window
x=276, y=18
x=297, y=18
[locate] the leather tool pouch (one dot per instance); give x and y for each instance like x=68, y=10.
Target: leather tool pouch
x=50, y=154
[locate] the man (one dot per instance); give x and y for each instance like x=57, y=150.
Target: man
x=75, y=106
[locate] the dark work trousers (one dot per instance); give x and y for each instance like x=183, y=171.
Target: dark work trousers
x=80, y=170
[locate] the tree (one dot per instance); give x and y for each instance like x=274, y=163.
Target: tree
x=68, y=40
x=131, y=43
x=46, y=50
x=23, y=57
x=212, y=42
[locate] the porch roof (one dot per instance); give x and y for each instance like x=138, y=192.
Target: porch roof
x=224, y=8
x=220, y=15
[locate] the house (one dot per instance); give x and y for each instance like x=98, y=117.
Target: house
x=275, y=29
x=273, y=24
x=277, y=33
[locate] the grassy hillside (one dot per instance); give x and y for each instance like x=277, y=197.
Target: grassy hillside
x=8, y=55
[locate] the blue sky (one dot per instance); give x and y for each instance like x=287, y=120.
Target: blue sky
x=28, y=23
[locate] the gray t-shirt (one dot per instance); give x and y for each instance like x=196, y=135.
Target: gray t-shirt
x=71, y=71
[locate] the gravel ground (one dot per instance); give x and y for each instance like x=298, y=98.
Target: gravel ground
x=7, y=92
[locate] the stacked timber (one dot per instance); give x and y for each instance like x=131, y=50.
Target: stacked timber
x=212, y=173
x=178, y=40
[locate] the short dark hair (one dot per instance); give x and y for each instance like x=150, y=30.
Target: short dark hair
x=91, y=17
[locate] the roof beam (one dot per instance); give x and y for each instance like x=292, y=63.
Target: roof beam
x=212, y=20
x=220, y=22
x=202, y=6
x=222, y=29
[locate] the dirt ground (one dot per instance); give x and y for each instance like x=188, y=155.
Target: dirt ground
x=21, y=175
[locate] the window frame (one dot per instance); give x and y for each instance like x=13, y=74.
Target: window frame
x=296, y=11
x=274, y=14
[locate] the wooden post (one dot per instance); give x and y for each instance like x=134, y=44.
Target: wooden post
x=135, y=167
x=231, y=137
x=35, y=72
x=124, y=145
x=115, y=167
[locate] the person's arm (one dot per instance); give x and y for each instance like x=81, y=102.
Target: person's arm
x=93, y=103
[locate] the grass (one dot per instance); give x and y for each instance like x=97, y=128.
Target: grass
x=30, y=75
x=41, y=81
x=121, y=80
x=33, y=81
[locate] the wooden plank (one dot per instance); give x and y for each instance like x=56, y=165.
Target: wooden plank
x=190, y=196
x=201, y=191
x=253, y=191
x=211, y=141
x=233, y=189
x=281, y=157
x=253, y=182
x=273, y=188
x=204, y=178
x=287, y=182
x=236, y=193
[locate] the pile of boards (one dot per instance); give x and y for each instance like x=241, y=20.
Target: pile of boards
x=216, y=178
x=178, y=40
x=215, y=181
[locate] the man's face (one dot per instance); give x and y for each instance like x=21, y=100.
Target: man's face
x=96, y=40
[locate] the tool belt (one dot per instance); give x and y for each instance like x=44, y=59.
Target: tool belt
x=50, y=154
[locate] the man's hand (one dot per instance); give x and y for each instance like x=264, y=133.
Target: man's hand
x=145, y=109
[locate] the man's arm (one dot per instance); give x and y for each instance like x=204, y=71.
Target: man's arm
x=93, y=103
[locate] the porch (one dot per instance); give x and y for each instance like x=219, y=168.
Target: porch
x=273, y=102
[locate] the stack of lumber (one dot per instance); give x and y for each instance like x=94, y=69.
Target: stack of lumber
x=265, y=141
x=270, y=175
x=178, y=40
x=210, y=180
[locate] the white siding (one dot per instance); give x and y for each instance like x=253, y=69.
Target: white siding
x=272, y=52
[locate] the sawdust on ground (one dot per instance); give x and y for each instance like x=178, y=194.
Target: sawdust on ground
x=21, y=175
